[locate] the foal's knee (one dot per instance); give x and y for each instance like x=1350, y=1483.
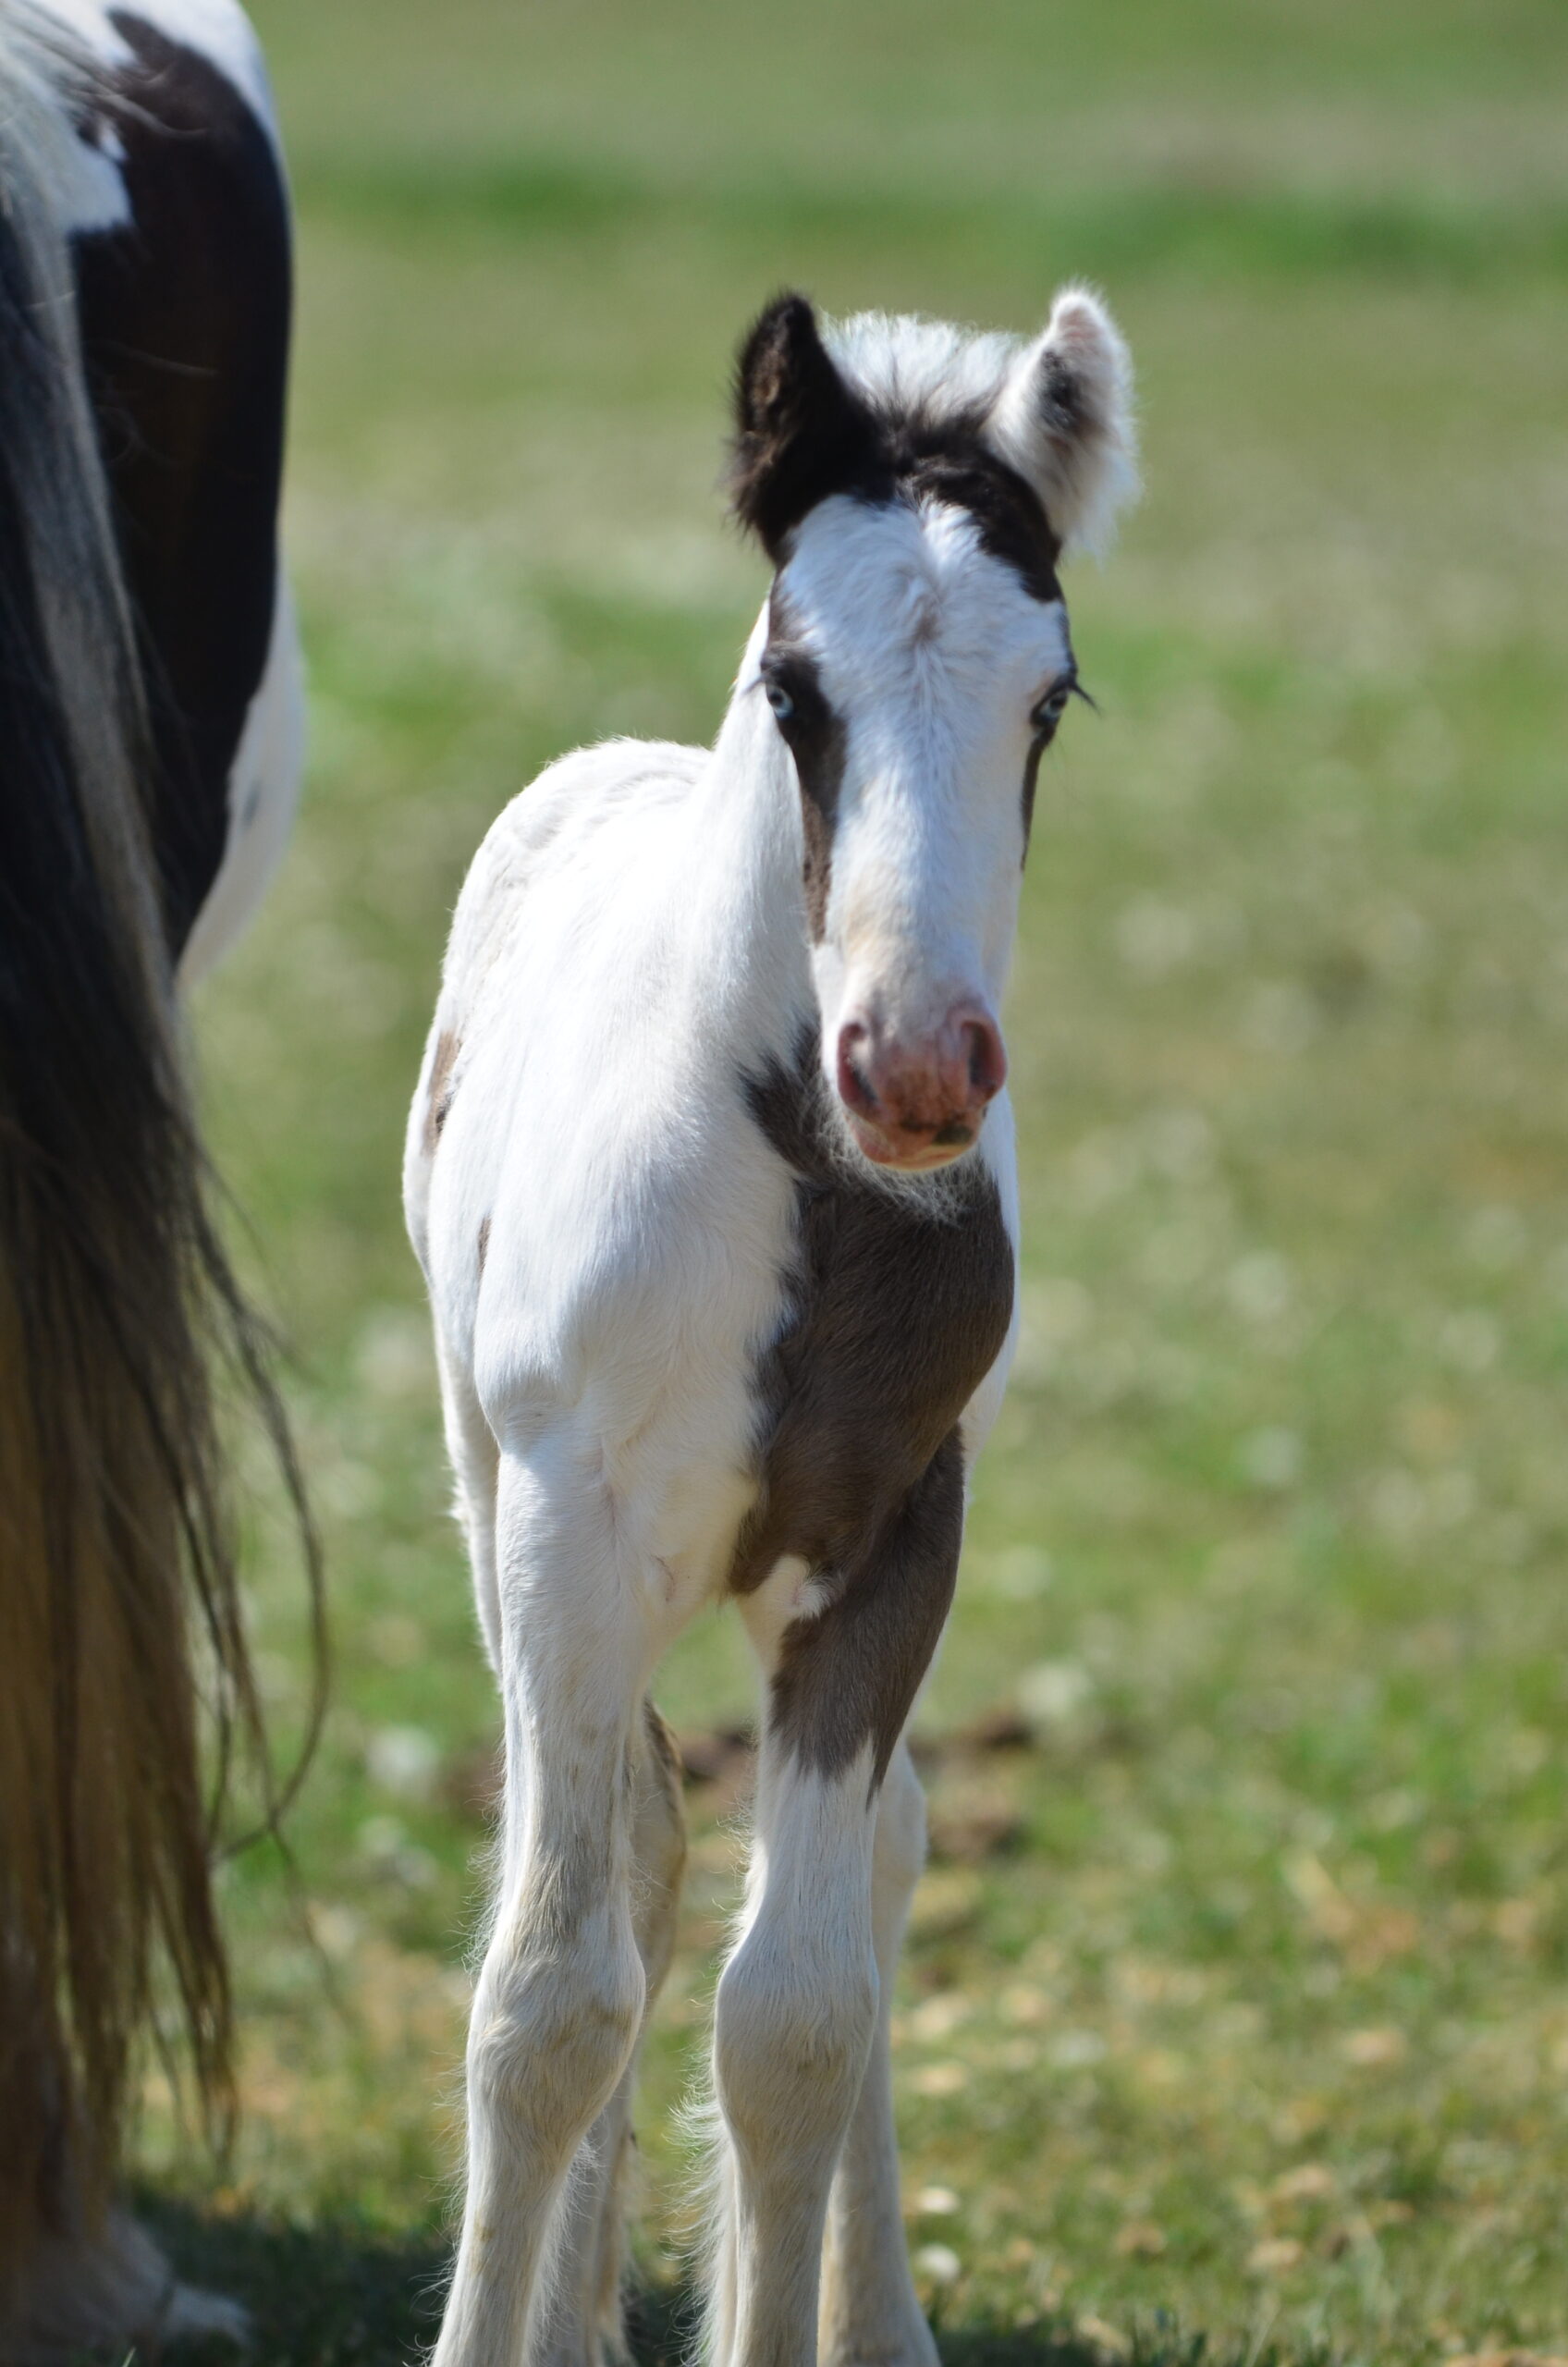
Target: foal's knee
x=554, y=2025
x=792, y=2032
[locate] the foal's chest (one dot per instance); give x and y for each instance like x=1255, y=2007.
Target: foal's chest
x=898, y=1307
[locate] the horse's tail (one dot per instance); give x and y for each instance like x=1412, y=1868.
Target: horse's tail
x=120, y=1623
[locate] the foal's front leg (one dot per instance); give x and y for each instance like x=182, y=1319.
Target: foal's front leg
x=793, y=2022
x=560, y=1999
x=870, y=2316
x=799, y=2000
x=580, y=2322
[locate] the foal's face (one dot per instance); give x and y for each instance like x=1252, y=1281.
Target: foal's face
x=916, y=679
x=915, y=488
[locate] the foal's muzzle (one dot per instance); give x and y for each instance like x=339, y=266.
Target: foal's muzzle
x=918, y=1103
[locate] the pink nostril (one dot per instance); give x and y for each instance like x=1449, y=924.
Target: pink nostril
x=853, y=1087
x=927, y=1096
x=985, y=1057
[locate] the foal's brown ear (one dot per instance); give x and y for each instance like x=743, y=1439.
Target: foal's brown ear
x=801, y=433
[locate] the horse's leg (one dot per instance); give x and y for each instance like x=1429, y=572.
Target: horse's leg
x=793, y=2024
x=476, y=1463
x=799, y=2000
x=92, y=2282
x=869, y=2310
x=560, y=1999
x=584, y=2315
x=109, y=2289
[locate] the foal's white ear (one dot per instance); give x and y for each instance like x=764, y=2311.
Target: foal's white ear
x=1064, y=420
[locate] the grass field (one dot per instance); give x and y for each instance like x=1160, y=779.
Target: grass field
x=1237, y=2002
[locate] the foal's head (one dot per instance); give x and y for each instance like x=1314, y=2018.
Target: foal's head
x=914, y=487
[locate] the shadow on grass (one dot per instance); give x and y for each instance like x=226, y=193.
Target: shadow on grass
x=345, y=2295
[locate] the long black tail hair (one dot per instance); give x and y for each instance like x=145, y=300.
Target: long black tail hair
x=122, y=1644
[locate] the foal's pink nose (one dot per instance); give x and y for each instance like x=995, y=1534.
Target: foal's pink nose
x=919, y=1103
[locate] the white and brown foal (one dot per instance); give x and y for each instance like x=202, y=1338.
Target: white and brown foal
x=711, y=1173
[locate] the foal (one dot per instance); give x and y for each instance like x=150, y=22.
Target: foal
x=710, y=1170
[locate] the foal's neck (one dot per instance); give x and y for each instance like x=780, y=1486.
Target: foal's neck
x=748, y=897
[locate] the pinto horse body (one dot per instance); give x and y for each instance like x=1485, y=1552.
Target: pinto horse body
x=149, y=745
x=710, y=1170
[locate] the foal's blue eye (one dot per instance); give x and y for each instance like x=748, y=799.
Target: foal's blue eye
x=1044, y=717
x=778, y=699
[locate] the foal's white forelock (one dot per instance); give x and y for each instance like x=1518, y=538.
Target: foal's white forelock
x=912, y=367
x=1083, y=463
x=932, y=653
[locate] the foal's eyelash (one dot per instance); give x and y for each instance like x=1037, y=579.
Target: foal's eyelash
x=1067, y=686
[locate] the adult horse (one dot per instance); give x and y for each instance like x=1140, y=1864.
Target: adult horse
x=150, y=740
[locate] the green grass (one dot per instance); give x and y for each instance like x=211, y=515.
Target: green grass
x=1235, y=2011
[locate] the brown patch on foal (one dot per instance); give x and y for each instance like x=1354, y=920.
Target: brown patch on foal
x=897, y=1313
x=448, y=1043
x=855, y=1669
x=814, y=737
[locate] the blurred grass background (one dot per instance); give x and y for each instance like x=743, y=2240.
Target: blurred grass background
x=1235, y=2005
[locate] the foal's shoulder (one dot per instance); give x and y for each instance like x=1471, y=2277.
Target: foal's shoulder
x=570, y=802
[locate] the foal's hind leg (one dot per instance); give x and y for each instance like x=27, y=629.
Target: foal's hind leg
x=585, y=2313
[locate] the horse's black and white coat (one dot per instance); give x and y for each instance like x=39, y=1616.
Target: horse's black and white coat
x=168, y=179
x=719, y=1231
x=149, y=752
